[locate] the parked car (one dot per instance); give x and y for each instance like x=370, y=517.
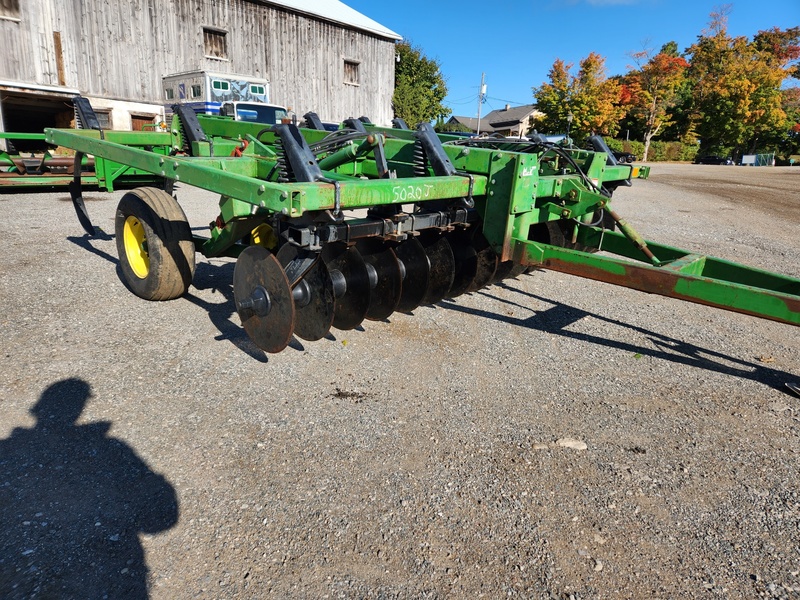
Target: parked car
x=712, y=159
x=624, y=157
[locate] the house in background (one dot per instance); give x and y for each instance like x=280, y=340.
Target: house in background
x=508, y=121
x=513, y=121
x=320, y=56
x=470, y=123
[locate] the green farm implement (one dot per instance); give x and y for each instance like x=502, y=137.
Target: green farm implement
x=331, y=228
x=45, y=169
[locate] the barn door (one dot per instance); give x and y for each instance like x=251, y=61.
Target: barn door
x=138, y=122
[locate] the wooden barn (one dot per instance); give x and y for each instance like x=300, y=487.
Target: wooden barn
x=318, y=55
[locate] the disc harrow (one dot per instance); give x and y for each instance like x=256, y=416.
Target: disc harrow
x=332, y=228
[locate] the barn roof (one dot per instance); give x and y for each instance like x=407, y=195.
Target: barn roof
x=338, y=12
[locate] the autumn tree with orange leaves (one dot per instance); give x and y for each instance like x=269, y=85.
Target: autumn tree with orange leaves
x=728, y=92
x=591, y=98
x=736, y=84
x=652, y=88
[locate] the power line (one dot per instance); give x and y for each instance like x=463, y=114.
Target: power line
x=506, y=101
x=470, y=98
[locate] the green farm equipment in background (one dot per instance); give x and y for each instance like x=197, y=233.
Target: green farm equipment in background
x=333, y=227
x=46, y=169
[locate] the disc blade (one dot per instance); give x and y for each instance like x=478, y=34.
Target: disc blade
x=350, y=308
x=442, y=270
x=466, y=264
x=258, y=271
x=486, y=262
x=385, y=294
x=415, y=268
x=313, y=319
x=508, y=269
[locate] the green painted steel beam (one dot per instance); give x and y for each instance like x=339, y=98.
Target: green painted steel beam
x=291, y=199
x=512, y=188
x=13, y=135
x=21, y=181
x=683, y=261
x=703, y=280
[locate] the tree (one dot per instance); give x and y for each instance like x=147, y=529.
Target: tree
x=419, y=87
x=654, y=88
x=736, y=84
x=593, y=100
x=552, y=98
x=443, y=127
x=788, y=142
x=781, y=51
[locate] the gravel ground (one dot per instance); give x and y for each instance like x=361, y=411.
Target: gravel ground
x=549, y=437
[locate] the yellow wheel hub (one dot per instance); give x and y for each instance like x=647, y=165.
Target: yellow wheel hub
x=136, y=247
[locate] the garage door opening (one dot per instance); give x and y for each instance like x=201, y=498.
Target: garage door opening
x=31, y=113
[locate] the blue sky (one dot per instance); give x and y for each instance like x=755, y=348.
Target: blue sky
x=516, y=41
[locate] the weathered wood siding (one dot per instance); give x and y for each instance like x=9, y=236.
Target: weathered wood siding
x=121, y=49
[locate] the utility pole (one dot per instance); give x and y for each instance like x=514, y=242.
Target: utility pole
x=481, y=94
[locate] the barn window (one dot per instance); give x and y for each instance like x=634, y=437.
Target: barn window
x=214, y=42
x=351, y=72
x=9, y=9
x=103, y=116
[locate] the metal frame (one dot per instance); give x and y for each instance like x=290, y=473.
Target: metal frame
x=100, y=172
x=306, y=183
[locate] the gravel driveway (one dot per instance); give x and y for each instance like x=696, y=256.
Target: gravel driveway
x=549, y=437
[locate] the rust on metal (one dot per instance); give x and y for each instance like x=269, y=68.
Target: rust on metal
x=662, y=282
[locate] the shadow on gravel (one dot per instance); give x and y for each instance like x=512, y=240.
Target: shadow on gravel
x=73, y=501
x=559, y=317
x=85, y=242
x=219, y=279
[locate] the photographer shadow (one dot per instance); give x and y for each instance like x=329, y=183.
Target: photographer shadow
x=73, y=502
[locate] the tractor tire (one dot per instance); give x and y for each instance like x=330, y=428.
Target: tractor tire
x=154, y=243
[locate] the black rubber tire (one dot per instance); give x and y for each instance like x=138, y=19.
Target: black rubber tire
x=169, y=245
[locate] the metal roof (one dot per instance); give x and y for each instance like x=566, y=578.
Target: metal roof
x=338, y=12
